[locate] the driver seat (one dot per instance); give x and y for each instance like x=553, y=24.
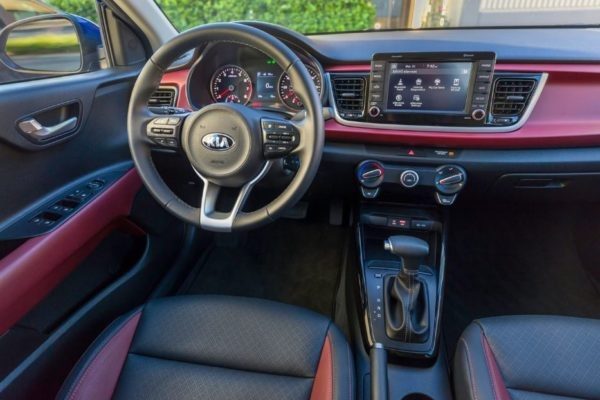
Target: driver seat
x=215, y=347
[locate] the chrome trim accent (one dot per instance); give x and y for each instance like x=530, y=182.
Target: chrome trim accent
x=432, y=128
x=413, y=172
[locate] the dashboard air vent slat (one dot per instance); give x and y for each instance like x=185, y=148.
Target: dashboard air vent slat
x=511, y=95
x=349, y=94
x=163, y=97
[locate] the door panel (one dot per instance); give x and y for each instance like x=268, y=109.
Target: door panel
x=32, y=270
x=33, y=175
x=99, y=141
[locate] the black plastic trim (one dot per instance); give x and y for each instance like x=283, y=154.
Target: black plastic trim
x=24, y=225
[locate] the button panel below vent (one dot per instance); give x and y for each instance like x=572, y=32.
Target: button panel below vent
x=349, y=94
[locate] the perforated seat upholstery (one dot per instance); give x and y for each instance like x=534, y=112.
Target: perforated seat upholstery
x=529, y=358
x=216, y=347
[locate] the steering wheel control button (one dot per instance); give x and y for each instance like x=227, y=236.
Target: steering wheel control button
x=444, y=199
x=409, y=179
x=450, y=179
x=165, y=131
x=279, y=138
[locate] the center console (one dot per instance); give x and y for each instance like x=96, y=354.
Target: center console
x=431, y=88
x=401, y=255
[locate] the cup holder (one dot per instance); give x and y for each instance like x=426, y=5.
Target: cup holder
x=416, y=396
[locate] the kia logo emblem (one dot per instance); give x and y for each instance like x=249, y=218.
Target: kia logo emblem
x=218, y=141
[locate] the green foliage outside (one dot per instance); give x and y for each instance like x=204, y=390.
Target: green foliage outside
x=83, y=8
x=48, y=44
x=307, y=16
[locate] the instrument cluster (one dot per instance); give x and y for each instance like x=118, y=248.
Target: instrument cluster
x=236, y=73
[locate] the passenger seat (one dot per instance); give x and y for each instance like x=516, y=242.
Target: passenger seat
x=528, y=358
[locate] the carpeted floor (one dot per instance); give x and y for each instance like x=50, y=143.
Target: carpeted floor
x=294, y=262
x=526, y=261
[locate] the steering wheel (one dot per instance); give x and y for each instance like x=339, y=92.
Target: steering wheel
x=227, y=144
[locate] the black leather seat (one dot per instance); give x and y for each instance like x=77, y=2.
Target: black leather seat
x=216, y=347
x=528, y=358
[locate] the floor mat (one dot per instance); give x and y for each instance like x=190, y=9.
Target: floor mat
x=294, y=262
x=504, y=261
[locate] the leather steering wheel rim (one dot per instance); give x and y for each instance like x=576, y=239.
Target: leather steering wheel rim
x=311, y=128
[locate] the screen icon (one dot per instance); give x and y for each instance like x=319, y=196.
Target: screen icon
x=416, y=97
x=456, y=82
x=398, y=97
x=437, y=81
x=419, y=81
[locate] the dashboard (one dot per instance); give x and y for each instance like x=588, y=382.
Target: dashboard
x=558, y=110
x=519, y=117
x=233, y=72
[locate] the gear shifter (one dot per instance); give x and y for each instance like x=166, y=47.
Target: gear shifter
x=406, y=300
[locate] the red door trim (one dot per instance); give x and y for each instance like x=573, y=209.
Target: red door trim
x=33, y=269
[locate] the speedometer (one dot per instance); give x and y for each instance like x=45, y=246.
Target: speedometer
x=286, y=90
x=231, y=84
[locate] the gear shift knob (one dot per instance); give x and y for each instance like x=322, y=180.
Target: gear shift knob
x=411, y=251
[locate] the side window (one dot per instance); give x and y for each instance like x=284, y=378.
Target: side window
x=40, y=39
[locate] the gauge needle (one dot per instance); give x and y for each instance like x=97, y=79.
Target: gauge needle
x=224, y=92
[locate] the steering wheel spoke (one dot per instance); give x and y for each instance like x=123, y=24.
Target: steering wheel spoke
x=219, y=221
x=164, y=131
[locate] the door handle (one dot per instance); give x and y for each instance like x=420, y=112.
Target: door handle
x=39, y=133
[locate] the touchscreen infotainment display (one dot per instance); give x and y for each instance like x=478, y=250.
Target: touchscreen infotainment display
x=428, y=86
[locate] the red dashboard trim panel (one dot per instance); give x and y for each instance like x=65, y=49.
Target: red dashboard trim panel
x=566, y=114
x=33, y=269
x=178, y=79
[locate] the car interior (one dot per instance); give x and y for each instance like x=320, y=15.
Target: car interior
x=354, y=199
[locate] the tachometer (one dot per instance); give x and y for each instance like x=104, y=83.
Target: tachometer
x=231, y=84
x=286, y=90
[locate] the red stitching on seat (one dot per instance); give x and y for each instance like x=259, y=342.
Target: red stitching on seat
x=498, y=386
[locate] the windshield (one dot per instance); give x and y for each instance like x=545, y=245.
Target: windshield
x=327, y=16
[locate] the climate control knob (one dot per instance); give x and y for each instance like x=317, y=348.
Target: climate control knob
x=374, y=111
x=370, y=174
x=450, y=179
x=409, y=178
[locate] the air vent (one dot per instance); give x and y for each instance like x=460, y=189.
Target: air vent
x=163, y=97
x=511, y=95
x=349, y=94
